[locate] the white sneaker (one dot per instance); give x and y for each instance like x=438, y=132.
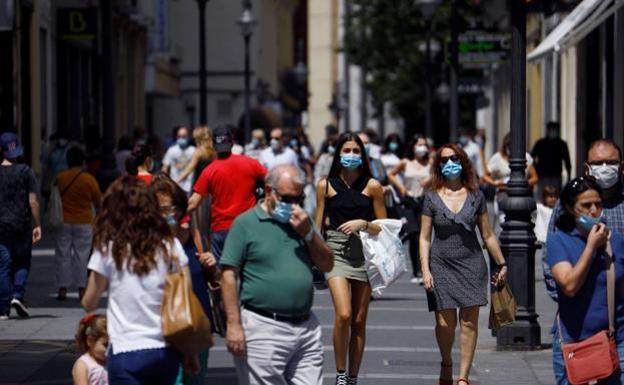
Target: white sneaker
x=417, y=280
x=4, y=317
x=20, y=308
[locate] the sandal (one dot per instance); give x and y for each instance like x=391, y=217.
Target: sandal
x=463, y=380
x=442, y=367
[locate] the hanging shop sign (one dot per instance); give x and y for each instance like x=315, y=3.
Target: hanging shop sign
x=481, y=49
x=77, y=23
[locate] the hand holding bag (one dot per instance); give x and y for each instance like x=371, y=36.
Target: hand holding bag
x=503, y=307
x=596, y=357
x=384, y=254
x=185, y=325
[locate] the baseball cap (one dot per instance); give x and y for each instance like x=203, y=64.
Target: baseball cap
x=10, y=147
x=222, y=139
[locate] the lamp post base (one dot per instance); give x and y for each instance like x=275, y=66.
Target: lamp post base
x=523, y=334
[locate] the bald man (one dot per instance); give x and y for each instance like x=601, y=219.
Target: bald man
x=274, y=335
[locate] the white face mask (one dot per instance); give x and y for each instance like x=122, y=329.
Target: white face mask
x=606, y=175
x=421, y=150
x=276, y=144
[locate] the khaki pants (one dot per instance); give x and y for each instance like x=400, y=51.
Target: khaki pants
x=280, y=353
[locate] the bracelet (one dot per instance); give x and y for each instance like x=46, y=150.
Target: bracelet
x=504, y=264
x=310, y=235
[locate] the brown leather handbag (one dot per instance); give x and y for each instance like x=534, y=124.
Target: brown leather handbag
x=185, y=325
x=596, y=357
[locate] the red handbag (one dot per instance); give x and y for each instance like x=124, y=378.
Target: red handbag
x=596, y=357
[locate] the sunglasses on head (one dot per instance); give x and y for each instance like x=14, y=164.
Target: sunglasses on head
x=291, y=199
x=453, y=158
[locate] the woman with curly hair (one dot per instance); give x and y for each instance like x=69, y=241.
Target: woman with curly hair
x=455, y=274
x=133, y=245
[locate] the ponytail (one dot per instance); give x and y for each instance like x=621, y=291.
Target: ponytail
x=137, y=157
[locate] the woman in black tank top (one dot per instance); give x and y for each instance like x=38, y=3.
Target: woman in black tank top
x=348, y=200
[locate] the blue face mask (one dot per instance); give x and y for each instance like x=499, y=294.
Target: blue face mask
x=586, y=222
x=393, y=146
x=255, y=142
x=171, y=220
x=367, y=148
x=293, y=143
x=452, y=170
x=282, y=212
x=462, y=141
x=350, y=161
x=182, y=142
x=331, y=149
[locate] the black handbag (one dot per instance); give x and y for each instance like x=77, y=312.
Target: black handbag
x=217, y=311
x=318, y=277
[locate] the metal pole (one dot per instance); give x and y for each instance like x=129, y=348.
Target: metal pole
x=108, y=171
x=346, y=75
x=454, y=101
x=247, y=90
x=517, y=239
x=203, y=114
x=428, y=112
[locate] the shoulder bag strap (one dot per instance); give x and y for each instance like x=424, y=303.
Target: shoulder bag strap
x=610, y=286
x=71, y=183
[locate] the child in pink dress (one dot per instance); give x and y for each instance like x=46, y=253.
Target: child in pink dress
x=92, y=341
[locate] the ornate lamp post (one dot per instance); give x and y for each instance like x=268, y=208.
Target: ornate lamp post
x=203, y=114
x=246, y=23
x=517, y=239
x=428, y=9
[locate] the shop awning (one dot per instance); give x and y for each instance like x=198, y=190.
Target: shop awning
x=586, y=14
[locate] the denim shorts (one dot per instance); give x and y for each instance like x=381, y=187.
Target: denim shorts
x=559, y=366
x=144, y=367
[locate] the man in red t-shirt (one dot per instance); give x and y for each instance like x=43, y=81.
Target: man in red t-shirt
x=230, y=181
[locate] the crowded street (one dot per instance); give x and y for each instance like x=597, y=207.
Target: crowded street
x=401, y=348
x=311, y=192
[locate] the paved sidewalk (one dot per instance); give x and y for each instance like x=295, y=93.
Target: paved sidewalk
x=401, y=346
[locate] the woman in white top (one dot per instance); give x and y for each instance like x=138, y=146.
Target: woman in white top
x=410, y=177
x=132, y=246
x=497, y=173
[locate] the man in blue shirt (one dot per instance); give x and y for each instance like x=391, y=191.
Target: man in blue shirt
x=604, y=164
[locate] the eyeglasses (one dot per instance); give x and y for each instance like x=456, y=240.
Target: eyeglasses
x=453, y=158
x=291, y=199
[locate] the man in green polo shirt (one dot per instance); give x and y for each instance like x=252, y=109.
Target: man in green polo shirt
x=272, y=248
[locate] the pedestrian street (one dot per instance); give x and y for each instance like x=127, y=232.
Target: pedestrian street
x=400, y=346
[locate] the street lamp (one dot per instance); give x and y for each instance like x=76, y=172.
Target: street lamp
x=300, y=73
x=203, y=92
x=517, y=238
x=428, y=8
x=246, y=23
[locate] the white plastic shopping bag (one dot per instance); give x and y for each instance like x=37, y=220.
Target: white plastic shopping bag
x=384, y=254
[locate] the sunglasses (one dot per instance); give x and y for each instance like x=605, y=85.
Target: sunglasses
x=291, y=199
x=607, y=162
x=452, y=158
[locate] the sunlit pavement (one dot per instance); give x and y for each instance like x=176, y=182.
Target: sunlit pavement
x=400, y=347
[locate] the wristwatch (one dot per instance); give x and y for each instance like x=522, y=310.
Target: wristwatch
x=308, y=237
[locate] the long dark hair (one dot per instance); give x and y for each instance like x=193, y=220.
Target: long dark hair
x=130, y=226
x=163, y=184
x=566, y=221
x=336, y=167
x=468, y=176
x=137, y=157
